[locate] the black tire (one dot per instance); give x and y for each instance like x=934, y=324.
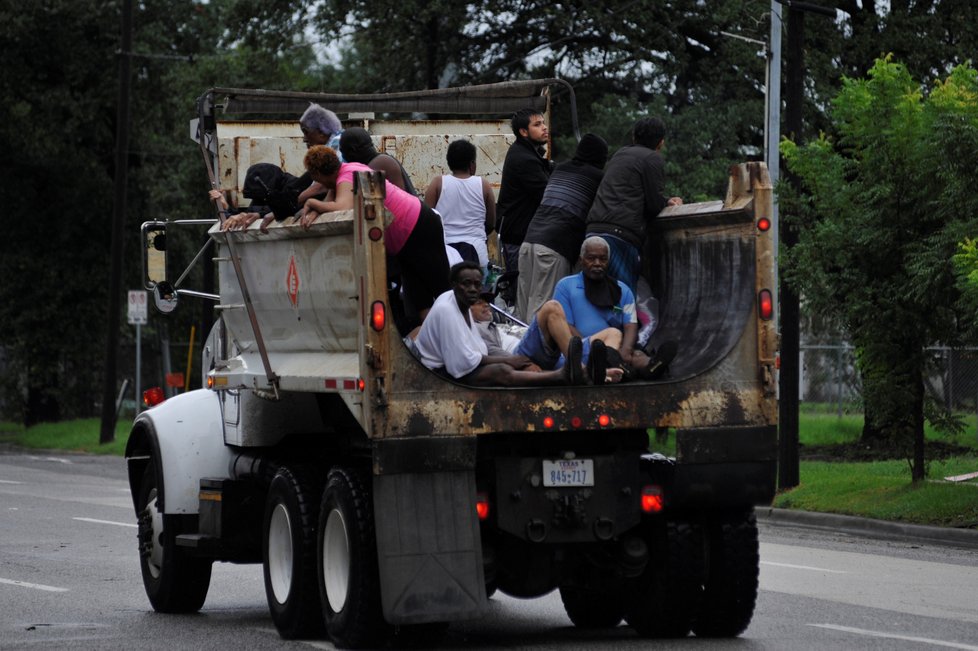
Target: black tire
x=289, y=553
x=349, y=583
x=732, y=576
x=175, y=582
x=592, y=608
x=667, y=596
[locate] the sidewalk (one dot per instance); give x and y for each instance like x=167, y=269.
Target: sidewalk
x=834, y=523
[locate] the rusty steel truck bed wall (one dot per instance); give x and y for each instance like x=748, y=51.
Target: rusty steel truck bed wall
x=315, y=293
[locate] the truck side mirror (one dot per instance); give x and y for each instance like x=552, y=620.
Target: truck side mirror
x=164, y=297
x=153, y=242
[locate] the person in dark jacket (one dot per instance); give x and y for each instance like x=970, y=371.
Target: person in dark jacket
x=629, y=198
x=356, y=146
x=525, y=175
x=556, y=231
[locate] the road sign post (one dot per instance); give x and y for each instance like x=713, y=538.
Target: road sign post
x=138, y=314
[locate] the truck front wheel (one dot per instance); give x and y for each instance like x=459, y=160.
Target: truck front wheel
x=289, y=553
x=175, y=582
x=349, y=584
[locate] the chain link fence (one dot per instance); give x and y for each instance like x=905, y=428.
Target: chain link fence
x=828, y=376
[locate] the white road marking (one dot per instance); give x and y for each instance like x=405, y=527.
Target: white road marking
x=59, y=460
x=118, y=524
x=9, y=481
x=893, y=636
x=803, y=567
x=36, y=586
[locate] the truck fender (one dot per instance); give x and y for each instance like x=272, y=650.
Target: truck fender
x=184, y=437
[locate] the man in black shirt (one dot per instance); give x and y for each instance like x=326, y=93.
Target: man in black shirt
x=525, y=175
x=553, y=239
x=629, y=197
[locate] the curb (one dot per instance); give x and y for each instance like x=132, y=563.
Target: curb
x=849, y=524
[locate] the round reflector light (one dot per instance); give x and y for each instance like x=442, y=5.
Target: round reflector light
x=378, y=316
x=153, y=396
x=604, y=420
x=482, y=505
x=548, y=422
x=765, y=304
x=763, y=224
x=652, y=499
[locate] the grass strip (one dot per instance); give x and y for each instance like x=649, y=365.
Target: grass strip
x=883, y=490
x=80, y=435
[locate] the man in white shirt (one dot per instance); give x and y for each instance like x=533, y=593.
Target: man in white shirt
x=449, y=342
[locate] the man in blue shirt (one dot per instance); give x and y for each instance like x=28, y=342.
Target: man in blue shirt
x=593, y=301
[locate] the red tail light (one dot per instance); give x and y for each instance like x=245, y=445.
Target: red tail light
x=153, y=397
x=604, y=420
x=482, y=505
x=765, y=304
x=548, y=422
x=652, y=499
x=378, y=316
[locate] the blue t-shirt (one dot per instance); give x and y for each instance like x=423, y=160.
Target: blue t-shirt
x=586, y=317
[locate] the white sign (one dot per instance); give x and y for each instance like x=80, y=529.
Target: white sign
x=137, y=306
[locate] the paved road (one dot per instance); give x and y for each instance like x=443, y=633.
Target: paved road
x=69, y=579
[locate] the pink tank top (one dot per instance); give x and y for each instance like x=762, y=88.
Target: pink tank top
x=403, y=205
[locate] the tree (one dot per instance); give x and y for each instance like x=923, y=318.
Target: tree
x=884, y=200
x=57, y=123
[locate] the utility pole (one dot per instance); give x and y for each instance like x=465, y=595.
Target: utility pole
x=790, y=330
x=788, y=475
x=107, y=431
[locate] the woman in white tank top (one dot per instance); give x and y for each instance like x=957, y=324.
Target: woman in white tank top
x=465, y=201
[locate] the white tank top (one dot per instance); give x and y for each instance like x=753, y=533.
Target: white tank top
x=462, y=208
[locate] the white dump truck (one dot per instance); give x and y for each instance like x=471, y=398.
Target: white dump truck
x=385, y=501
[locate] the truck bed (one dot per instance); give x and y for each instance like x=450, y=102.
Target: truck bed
x=305, y=287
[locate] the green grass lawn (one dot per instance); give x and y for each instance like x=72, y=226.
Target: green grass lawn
x=80, y=435
x=883, y=489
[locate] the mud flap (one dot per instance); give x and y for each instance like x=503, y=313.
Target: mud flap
x=428, y=548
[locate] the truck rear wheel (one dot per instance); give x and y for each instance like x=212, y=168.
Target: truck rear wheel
x=592, y=608
x=668, y=594
x=731, y=584
x=349, y=584
x=175, y=582
x=289, y=553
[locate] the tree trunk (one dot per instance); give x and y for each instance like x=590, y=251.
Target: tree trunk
x=42, y=406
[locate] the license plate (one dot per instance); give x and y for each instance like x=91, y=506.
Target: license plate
x=568, y=472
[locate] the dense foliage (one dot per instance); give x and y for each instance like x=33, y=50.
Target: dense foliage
x=885, y=198
x=625, y=59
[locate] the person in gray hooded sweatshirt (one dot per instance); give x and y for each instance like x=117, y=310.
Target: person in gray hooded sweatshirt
x=553, y=238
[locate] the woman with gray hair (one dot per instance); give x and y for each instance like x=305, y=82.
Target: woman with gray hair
x=319, y=127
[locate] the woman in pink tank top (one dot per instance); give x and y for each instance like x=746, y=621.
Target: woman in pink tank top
x=414, y=237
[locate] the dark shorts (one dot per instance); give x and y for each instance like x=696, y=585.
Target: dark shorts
x=534, y=346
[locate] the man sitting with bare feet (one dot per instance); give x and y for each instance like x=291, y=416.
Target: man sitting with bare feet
x=449, y=342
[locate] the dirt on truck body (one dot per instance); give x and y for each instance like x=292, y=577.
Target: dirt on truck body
x=384, y=501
